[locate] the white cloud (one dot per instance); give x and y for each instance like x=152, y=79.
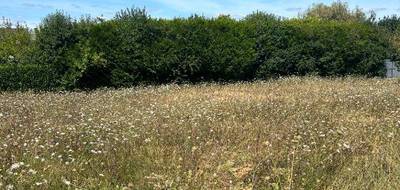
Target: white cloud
x=37, y=5
x=379, y=9
x=294, y=9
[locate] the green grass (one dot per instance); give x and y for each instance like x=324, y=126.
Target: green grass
x=294, y=133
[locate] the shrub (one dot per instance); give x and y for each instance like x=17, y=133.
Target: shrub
x=338, y=11
x=201, y=49
x=134, y=48
x=392, y=26
x=55, y=38
x=15, y=44
x=85, y=64
x=133, y=35
x=326, y=48
x=25, y=77
x=390, y=23
x=180, y=51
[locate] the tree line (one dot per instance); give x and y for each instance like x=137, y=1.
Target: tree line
x=133, y=48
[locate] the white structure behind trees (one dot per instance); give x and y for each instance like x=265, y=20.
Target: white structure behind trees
x=392, y=69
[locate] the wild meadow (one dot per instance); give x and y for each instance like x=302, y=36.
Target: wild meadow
x=291, y=133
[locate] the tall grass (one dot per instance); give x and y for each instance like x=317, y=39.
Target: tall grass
x=293, y=133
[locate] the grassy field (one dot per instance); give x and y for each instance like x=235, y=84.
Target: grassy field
x=295, y=133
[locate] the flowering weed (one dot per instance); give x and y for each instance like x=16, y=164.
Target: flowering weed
x=293, y=133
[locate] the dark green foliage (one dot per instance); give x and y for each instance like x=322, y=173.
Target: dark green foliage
x=55, y=38
x=180, y=50
x=120, y=49
x=326, y=48
x=133, y=35
x=134, y=48
x=231, y=51
x=84, y=64
x=200, y=49
x=27, y=77
x=391, y=23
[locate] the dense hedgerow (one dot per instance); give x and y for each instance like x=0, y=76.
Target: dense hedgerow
x=392, y=26
x=27, y=77
x=325, y=48
x=134, y=48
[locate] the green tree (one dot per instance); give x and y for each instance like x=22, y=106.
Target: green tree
x=336, y=11
x=85, y=62
x=54, y=38
x=15, y=43
x=133, y=35
x=392, y=26
x=390, y=23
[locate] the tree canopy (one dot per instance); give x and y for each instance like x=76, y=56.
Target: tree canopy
x=133, y=48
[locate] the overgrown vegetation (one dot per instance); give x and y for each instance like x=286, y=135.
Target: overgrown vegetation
x=293, y=133
x=133, y=48
x=27, y=77
x=15, y=43
x=281, y=133
x=338, y=11
x=392, y=26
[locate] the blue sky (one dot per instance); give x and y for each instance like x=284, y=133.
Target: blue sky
x=32, y=11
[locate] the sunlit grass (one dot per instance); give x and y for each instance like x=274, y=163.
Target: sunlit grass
x=295, y=133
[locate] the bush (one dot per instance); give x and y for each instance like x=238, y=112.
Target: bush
x=338, y=11
x=390, y=23
x=392, y=26
x=55, y=39
x=25, y=77
x=179, y=52
x=133, y=36
x=201, y=49
x=15, y=44
x=134, y=48
x=325, y=48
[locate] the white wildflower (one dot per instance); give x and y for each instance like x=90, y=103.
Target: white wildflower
x=66, y=182
x=10, y=187
x=31, y=171
x=15, y=166
x=194, y=148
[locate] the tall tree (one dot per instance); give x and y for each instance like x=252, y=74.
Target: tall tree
x=55, y=37
x=338, y=10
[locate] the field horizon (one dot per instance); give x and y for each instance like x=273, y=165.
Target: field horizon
x=290, y=133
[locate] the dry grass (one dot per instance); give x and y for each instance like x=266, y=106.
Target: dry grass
x=293, y=133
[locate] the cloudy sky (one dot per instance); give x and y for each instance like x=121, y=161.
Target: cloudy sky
x=32, y=11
